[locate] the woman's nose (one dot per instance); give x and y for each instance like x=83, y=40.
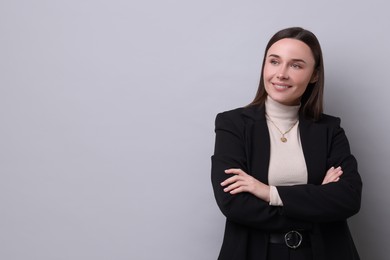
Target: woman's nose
x=282, y=73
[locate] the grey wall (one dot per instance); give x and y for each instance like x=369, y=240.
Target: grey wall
x=107, y=115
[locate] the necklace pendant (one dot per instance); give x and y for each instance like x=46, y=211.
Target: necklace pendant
x=283, y=139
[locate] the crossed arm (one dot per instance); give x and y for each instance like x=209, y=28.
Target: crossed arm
x=240, y=181
x=244, y=199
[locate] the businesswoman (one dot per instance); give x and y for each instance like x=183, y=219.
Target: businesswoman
x=282, y=170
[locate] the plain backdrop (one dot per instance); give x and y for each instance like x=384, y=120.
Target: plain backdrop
x=107, y=115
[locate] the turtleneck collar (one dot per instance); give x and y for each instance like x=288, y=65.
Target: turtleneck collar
x=278, y=111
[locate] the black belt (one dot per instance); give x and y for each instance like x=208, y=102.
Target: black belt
x=293, y=239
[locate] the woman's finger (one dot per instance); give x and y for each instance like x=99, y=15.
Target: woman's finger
x=233, y=186
x=238, y=190
x=235, y=171
x=230, y=180
x=332, y=175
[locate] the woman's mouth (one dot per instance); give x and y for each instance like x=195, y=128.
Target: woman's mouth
x=281, y=86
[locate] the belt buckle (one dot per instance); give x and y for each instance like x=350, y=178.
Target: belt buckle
x=293, y=239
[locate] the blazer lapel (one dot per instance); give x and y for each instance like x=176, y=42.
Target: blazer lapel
x=257, y=143
x=314, y=144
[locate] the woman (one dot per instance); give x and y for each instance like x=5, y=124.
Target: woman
x=282, y=171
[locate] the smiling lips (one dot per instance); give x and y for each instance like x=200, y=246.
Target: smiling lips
x=281, y=86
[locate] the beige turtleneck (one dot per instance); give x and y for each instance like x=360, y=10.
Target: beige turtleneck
x=287, y=163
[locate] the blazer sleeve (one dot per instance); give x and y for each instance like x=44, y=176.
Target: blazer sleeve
x=243, y=208
x=333, y=201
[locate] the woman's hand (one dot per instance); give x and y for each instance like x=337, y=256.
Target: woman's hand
x=332, y=175
x=243, y=182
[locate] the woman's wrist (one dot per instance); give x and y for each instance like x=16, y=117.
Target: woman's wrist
x=263, y=192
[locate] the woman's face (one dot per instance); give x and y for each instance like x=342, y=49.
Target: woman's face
x=288, y=69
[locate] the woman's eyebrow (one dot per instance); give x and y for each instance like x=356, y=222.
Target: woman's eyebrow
x=294, y=60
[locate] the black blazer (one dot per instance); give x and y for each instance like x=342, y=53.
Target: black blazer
x=242, y=141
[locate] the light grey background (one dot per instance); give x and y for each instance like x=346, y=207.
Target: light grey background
x=107, y=115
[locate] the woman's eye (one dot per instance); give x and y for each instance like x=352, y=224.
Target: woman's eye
x=296, y=66
x=274, y=62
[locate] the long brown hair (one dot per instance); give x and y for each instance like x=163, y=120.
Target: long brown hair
x=312, y=99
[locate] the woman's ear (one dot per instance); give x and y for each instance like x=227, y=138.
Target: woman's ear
x=314, y=77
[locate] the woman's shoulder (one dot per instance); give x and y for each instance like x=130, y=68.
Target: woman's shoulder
x=232, y=113
x=329, y=120
x=237, y=118
x=240, y=113
x=230, y=118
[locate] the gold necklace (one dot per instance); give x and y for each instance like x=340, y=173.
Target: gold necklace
x=283, y=138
